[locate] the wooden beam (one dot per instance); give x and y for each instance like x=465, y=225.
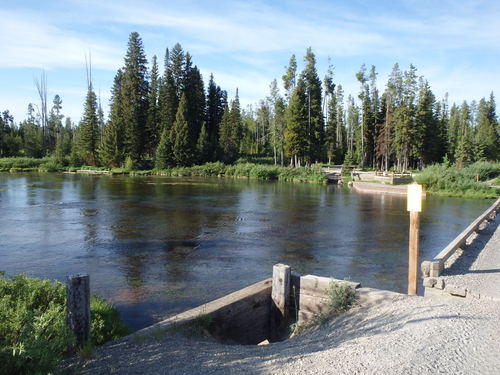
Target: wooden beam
x=78, y=303
x=280, y=296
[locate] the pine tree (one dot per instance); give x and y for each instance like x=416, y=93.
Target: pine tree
x=231, y=131
x=289, y=78
x=135, y=89
x=153, y=131
x=88, y=130
x=331, y=129
x=367, y=131
x=404, y=117
x=181, y=144
x=203, y=149
x=163, y=155
x=486, y=137
x=464, y=149
x=216, y=101
x=277, y=118
x=111, y=150
x=194, y=90
x=225, y=146
x=341, y=135
x=54, y=124
x=296, y=133
x=425, y=133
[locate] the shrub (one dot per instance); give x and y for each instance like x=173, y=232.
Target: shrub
x=129, y=164
x=460, y=182
x=340, y=297
x=34, y=335
x=106, y=322
x=33, y=330
x=20, y=163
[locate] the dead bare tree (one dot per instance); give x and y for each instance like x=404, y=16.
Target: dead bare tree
x=41, y=86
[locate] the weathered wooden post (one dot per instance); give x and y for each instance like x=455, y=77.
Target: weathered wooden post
x=78, y=293
x=280, y=296
x=415, y=207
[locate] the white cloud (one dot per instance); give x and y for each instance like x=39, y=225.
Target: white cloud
x=29, y=41
x=248, y=29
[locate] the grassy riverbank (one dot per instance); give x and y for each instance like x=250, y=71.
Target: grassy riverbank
x=468, y=182
x=34, y=336
x=242, y=168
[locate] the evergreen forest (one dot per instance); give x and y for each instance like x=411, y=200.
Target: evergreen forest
x=163, y=116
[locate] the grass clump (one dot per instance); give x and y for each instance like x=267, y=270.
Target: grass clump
x=468, y=182
x=340, y=298
x=34, y=336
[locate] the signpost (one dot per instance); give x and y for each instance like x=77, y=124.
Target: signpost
x=414, y=206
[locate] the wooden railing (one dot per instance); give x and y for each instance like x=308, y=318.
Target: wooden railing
x=435, y=267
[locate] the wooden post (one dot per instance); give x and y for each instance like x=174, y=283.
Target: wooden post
x=78, y=292
x=413, y=252
x=414, y=205
x=280, y=296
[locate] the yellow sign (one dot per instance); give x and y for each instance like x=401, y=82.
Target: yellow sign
x=414, y=198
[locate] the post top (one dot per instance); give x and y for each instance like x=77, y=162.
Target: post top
x=414, y=195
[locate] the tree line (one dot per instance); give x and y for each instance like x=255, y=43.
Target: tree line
x=170, y=119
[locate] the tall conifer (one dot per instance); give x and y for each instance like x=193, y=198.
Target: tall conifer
x=135, y=90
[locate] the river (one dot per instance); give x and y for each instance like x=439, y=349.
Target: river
x=155, y=246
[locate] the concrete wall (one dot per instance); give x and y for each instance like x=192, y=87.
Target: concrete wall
x=240, y=317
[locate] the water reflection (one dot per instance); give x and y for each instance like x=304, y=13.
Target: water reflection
x=155, y=246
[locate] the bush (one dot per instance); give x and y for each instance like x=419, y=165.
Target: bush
x=34, y=336
x=340, y=297
x=460, y=182
x=106, y=322
x=20, y=163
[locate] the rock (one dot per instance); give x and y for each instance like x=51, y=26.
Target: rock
x=426, y=268
x=455, y=290
x=429, y=282
x=439, y=283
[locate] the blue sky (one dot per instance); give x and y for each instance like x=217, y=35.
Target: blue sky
x=246, y=44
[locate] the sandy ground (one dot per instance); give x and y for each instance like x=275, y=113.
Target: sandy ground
x=395, y=335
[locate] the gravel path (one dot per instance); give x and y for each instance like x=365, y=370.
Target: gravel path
x=478, y=266
x=399, y=335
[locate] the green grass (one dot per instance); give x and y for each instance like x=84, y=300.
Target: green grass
x=340, y=298
x=460, y=182
x=34, y=336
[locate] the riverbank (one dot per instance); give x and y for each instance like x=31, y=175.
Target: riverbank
x=215, y=169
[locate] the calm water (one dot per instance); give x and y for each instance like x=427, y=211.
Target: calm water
x=156, y=246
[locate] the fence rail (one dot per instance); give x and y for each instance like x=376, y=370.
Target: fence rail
x=435, y=267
